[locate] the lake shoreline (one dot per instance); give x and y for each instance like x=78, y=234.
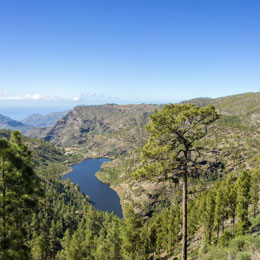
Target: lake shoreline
x=103, y=195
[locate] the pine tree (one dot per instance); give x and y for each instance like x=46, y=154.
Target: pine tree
x=40, y=247
x=130, y=235
x=92, y=228
x=108, y=242
x=19, y=192
x=231, y=198
x=65, y=243
x=219, y=215
x=77, y=248
x=172, y=150
x=112, y=238
x=209, y=216
x=53, y=240
x=173, y=228
x=243, y=184
x=147, y=244
x=255, y=187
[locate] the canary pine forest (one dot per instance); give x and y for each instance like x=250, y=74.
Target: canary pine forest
x=187, y=174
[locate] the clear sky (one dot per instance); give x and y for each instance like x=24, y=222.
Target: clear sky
x=61, y=53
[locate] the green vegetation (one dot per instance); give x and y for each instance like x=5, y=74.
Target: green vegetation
x=231, y=144
x=172, y=148
x=19, y=192
x=52, y=219
x=102, y=131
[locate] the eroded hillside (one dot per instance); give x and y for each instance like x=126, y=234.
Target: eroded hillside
x=98, y=131
x=118, y=132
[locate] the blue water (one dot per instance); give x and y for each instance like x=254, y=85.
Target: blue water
x=102, y=197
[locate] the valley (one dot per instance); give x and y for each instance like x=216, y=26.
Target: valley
x=117, y=132
x=129, y=130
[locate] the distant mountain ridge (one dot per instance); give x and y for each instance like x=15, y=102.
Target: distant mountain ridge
x=10, y=124
x=33, y=125
x=96, y=122
x=38, y=120
x=94, y=129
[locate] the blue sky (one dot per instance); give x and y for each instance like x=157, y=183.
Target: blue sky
x=61, y=53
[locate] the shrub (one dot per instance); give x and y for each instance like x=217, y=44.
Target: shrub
x=256, y=221
x=244, y=256
x=238, y=244
x=225, y=239
x=216, y=253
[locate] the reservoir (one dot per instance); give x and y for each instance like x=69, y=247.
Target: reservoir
x=101, y=195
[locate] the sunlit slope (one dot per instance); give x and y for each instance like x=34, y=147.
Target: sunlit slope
x=45, y=155
x=230, y=146
x=245, y=105
x=107, y=130
x=118, y=132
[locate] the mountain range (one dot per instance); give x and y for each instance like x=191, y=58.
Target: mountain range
x=10, y=124
x=38, y=120
x=231, y=146
x=118, y=132
x=28, y=124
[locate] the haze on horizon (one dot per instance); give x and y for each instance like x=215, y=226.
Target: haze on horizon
x=55, y=55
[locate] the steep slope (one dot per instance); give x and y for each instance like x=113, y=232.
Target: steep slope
x=38, y=120
x=231, y=144
x=44, y=154
x=107, y=130
x=118, y=132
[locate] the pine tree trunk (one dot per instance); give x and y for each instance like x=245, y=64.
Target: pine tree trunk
x=223, y=224
x=233, y=224
x=217, y=233
x=184, y=218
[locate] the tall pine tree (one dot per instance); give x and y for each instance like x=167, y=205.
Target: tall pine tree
x=243, y=184
x=172, y=150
